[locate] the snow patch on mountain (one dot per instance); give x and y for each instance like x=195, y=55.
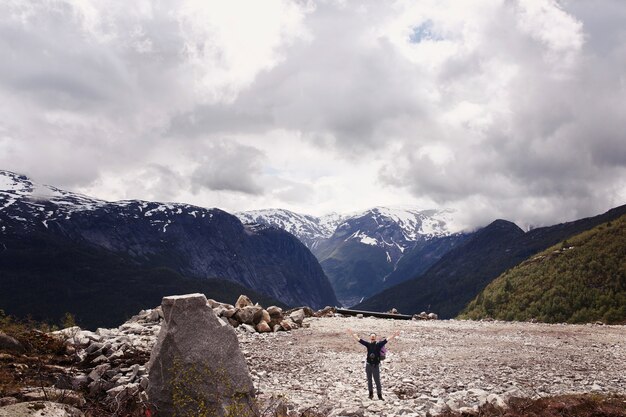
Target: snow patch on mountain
x=40, y=204
x=393, y=228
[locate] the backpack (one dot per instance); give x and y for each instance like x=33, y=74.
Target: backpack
x=383, y=353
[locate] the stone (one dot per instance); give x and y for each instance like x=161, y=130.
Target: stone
x=297, y=316
x=219, y=311
x=8, y=401
x=265, y=316
x=213, y=304
x=40, y=409
x=196, y=363
x=359, y=316
x=64, y=396
x=228, y=313
x=247, y=328
x=433, y=316
x=249, y=315
x=10, y=343
x=243, y=301
x=496, y=400
x=468, y=411
x=263, y=327
x=285, y=325
x=275, y=311
x=97, y=372
x=327, y=311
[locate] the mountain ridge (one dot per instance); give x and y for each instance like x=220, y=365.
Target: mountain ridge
x=195, y=242
x=459, y=276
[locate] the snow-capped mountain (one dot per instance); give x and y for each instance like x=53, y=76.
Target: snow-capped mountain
x=359, y=250
x=395, y=229
x=195, y=242
x=33, y=205
x=309, y=229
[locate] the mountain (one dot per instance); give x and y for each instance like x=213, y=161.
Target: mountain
x=194, y=242
x=309, y=229
x=581, y=279
x=44, y=276
x=358, y=251
x=462, y=273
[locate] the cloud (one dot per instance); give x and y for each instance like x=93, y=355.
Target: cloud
x=229, y=166
x=510, y=108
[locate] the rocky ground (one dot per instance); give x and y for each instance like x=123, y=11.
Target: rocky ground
x=434, y=364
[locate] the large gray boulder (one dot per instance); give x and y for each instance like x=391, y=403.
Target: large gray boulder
x=196, y=366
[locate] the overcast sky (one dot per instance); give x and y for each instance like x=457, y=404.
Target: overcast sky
x=509, y=109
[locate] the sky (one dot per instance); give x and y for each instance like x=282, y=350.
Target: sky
x=509, y=109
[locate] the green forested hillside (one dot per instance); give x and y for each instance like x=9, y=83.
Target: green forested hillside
x=582, y=279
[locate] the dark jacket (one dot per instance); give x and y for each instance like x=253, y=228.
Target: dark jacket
x=373, y=350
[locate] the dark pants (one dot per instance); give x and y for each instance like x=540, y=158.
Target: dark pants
x=373, y=370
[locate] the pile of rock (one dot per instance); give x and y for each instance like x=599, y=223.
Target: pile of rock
x=252, y=318
x=425, y=316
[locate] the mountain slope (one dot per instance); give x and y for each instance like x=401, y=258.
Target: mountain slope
x=582, y=279
x=422, y=256
x=460, y=275
x=192, y=241
x=43, y=277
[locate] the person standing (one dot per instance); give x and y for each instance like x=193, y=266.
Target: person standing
x=372, y=365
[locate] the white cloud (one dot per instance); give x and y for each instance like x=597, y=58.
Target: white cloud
x=501, y=108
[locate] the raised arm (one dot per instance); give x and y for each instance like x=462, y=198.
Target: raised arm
x=354, y=335
x=394, y=336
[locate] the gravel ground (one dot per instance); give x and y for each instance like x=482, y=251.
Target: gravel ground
x=434, y=364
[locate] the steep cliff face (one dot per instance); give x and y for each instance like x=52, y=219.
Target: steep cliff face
x=194, y=242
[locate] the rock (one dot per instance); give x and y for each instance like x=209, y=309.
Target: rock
x=359, y=316
x=79, y=381
x=9, y=343
x=97, y=372
x=393, y=311
x=297, y=316
x=265, y=316
x=263, y=327
x=233, y=322
x=285, y=325
x=496, y=400
x=64, y=396
x=228, y=313
x=8, y=401
x=213, y=304
x=247, y=328
x=40, y=409
x=468, y=411
x=197, y=364
x=277, y=328
x=275, y=311
x=433, y=316
x=243, y=301
x=249, y=315
x=326, y=312
x=352, y=412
